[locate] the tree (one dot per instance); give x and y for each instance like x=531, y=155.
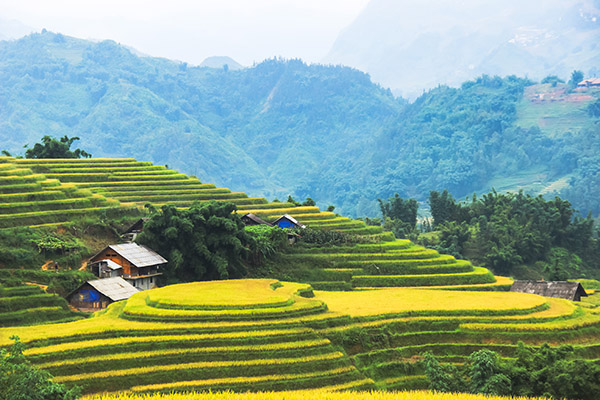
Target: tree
x=399, y=215
x=444, y=208
x=576, y=77
x=486, y=375
x=309, y=202
x=553, y=80
x=52, y=148
x=19, y=380
x=205, y=242
x=441, y=378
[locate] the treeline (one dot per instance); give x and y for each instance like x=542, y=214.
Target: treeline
x=509, y=233
x=546, y=371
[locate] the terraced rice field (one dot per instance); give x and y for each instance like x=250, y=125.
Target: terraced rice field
x=30, y=198
x=274, y=336
x=309, y=395
x=29, y=305
x=389, y=264
x=92, y=185
x=264, y=339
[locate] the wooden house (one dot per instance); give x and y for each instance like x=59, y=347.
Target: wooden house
x=130, y=234
x=590, y=82
x=251, y=219
x=559, y=289
x=287, y=221
x=98, y=294
x=140, y=265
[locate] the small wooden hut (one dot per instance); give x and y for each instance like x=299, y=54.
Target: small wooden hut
x=98, y=294
x=251, y=219
x=287, y=221
x=559, y=289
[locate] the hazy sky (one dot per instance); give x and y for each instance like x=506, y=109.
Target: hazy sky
x=188, y=30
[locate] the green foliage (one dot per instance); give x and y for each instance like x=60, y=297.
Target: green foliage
x=594, y=109
x=561, y=265
x=309, y=202
x=546, y=371
x=321, y=237
x=266, y=242
x=453, y=237
x=19, y=380
x=441, y=378
x=444, y=208
x=292, y=201
x=503, y=231
x=553, y=80
x=52, y=148
x=486, y=375
x=399, y=215
x=576, y=77
x=205, y=242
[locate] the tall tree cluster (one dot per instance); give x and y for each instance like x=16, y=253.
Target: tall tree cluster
x=505, y=230
x=205, y=242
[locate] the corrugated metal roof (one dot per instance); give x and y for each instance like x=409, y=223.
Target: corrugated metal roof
x=110, y=264
x=559, y=289
x=138, y=255
x=114, y=288
x=256, y=219
x=289, y=218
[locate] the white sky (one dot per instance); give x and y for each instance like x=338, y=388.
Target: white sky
x=188, y=30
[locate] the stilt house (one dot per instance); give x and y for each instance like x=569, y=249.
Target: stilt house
x=140, y=266
x=559, y=289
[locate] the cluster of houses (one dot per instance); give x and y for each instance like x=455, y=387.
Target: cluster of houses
x=124, y=269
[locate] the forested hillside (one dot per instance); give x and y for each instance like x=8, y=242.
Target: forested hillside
x=283, y=127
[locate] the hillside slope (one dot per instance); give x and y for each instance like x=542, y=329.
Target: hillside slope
x=410, y=46
x=283, y=127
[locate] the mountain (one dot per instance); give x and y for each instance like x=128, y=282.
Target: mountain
x=221, y=62
x=13, y=29
x=264, y=130
x=410, y=46
x=284, y=128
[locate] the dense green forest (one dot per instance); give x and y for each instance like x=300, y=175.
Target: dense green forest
x=282, y=127
x=513, y=234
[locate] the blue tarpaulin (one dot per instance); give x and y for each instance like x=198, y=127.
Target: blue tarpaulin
x=90, y=295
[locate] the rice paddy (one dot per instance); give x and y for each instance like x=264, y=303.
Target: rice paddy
x=394, y=301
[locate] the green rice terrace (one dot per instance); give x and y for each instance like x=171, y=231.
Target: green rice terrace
x=361, y=317
x=280, y=335
x=53, y=191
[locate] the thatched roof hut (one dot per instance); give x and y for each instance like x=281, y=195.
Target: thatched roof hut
x=560, y=289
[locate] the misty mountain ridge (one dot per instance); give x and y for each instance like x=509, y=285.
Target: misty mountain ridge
x=284, y=127
x=410, y=46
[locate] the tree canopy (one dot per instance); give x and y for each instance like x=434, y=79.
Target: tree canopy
x=205, y=242
x=53, y=148
x=19, y=380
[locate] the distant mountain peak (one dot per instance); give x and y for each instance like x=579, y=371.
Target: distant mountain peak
x=220, y=62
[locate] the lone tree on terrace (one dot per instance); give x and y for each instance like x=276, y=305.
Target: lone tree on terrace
x=53, y=148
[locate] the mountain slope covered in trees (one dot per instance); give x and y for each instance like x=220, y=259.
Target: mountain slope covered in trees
x=283, y=127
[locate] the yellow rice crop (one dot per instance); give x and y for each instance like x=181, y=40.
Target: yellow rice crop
x=199, y=365
x=161, y=338
x=136, y=305
x=241, y=379
x=234, y=293
x=399, y=300
x=588, y=319
x=301, y=344
x=307, y=395
x=108, y=320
